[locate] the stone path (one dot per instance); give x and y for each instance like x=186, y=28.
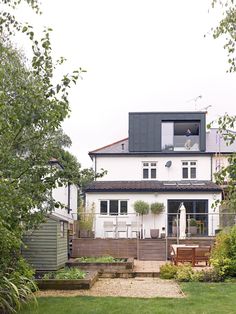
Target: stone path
x=148, y=266
x=135, y=287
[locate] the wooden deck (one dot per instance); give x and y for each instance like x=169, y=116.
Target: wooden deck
x=145, y=249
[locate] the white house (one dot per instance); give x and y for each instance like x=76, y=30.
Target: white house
x=169, y=158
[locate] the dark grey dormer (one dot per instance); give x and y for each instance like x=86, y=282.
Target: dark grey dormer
x=167, y=131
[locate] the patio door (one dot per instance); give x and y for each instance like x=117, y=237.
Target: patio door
x=196, y=213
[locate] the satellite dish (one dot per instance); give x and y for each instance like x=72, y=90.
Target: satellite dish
x=168, y=164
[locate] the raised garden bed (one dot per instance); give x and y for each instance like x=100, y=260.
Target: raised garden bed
x=117, y=265
x=68, y=284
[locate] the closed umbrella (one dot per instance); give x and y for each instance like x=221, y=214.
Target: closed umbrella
x=182, y=222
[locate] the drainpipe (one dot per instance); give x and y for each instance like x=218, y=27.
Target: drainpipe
x=211, y=168
x=68, y=200
x=95, y=167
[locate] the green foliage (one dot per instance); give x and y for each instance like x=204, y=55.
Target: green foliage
x=100, y=259
x=86, y=218
x=157, y=208
x=209, y=275
x=66, y=273
x=168, y=271
x=227, y=173
x=226, y=29
x=193, y=222
x=141, y=207
x=14, y=292
x=184, y=273
x=223, y=256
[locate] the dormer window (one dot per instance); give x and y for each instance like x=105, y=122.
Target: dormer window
x=180, y=136
x=149, y=170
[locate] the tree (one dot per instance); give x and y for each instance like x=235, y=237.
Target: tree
x=227, y=174
x=32, y=108
x=227, y=29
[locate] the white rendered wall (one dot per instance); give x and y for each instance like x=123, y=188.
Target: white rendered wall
x=93, y=199
x=60, y=194
x=130, y=168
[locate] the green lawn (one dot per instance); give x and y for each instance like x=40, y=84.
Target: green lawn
x=201, y=298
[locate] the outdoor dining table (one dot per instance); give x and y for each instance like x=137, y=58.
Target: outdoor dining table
x=175, y=246
x=186, y=257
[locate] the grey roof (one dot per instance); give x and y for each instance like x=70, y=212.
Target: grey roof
x=214, y=144
x=153, y=186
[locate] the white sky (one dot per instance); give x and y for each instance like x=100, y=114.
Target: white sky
x=140, y=55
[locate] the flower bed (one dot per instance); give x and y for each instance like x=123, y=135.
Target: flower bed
x=105, y=263
x=67, y=279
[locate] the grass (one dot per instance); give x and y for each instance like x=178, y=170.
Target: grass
x=202, y=298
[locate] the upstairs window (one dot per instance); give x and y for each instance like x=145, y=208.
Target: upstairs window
x=113, y=207
x=189, y=169
x=149, y=170
x=180, y=135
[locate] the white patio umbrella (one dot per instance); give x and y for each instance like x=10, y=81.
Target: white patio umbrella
x=182, y=221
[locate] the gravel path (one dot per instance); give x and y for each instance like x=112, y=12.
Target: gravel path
x=136, y=287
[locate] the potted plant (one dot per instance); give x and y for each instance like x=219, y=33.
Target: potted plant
x=141, y=208
x=156, y=209
x=193, y=226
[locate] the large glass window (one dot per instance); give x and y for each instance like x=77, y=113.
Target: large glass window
x=113, y=207
x=180, y=135
x=196, y=210
x=149, y=170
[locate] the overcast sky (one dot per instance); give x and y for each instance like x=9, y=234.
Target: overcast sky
x=140, y=55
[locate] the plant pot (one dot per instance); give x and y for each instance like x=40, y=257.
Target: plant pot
x=174, y=231
x=154, y=233
x=193, y=230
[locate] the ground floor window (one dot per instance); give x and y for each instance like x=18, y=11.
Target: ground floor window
x=113, y=207
x=196, y=217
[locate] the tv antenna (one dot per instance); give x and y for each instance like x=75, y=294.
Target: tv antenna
x=195, y=99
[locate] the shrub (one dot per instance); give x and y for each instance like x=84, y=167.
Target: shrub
x=100, y=259
x=223, y=256
x=184, y=273
x=66, y=273
x=168, y=271
x=157, y=208
x=14, y=292
x=193, y=222
x=141, y=207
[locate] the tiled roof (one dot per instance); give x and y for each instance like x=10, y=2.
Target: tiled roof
x=214, y=144
x=152, y=186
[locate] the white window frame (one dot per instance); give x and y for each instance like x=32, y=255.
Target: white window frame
x=119, y=206
x=62, y=229
x=188, y=166
x=149, y=165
